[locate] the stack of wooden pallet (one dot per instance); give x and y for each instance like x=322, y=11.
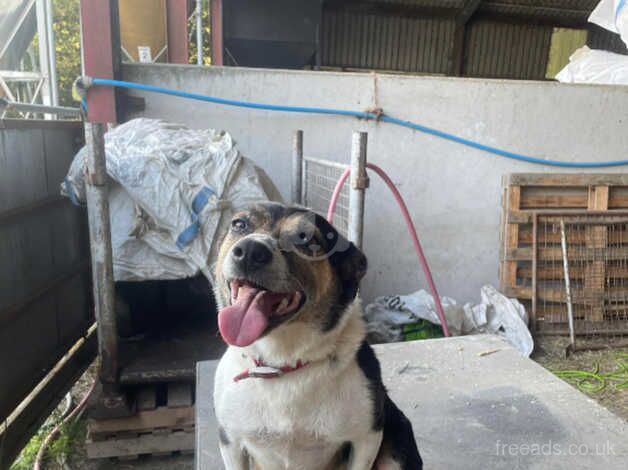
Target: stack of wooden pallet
x=594, y=207
x=161, y=426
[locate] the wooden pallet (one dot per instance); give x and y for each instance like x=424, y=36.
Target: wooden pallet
x=156, y=429
x=525, y=270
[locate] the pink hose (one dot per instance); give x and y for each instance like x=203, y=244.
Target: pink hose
x=411, y=230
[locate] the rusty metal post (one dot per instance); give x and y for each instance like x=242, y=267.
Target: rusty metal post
x=359, y=182
x=216, y=17
x=100, y=243
x=297, y=167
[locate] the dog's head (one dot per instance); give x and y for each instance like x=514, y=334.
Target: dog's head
x=283, y=264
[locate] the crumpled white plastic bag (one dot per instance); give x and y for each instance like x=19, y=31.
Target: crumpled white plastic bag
x=495, y=314
x=595, y=66
x=173, y=191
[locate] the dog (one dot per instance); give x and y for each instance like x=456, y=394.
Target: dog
x=299, y=387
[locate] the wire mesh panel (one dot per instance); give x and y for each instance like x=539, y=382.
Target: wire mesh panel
x=319, y=180
x=595, y=256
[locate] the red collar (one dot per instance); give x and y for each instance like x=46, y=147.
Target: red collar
x=264, y=371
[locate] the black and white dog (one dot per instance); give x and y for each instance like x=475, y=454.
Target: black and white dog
x=299, y=388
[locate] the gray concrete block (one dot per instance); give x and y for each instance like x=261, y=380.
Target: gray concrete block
x=475, y=403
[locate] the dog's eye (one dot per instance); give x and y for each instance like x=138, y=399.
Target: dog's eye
x=238, y=225
x=303, y=236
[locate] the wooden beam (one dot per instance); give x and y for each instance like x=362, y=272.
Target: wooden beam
x=575, y=254
x=145, y=421
x=561, y=179
x=557, y=294
x=555, y=272
x=153, y=443
x=512, y=237
x=597, y=238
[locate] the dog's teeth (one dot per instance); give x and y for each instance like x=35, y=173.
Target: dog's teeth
x=282, y=305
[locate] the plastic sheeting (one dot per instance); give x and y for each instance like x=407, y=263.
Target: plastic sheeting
x=613, y=16
x=601, y=67
x=594, y=66
x=172, y=195
x=495, y=314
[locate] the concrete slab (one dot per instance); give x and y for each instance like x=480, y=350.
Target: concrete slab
x=475, y=403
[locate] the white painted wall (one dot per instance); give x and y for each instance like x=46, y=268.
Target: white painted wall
x=453, y=192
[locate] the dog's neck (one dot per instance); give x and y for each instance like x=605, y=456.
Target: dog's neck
x=296, y=342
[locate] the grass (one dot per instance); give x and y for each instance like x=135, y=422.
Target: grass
x=600, y=374
x=68, y=443
x=61, y=449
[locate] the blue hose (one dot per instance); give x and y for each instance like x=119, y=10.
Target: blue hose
x=358, y=114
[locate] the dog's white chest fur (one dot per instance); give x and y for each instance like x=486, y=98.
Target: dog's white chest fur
x=298, y=420
x=302, y=419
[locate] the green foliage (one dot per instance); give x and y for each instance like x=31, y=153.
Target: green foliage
x=68, y=44
x=70, y=437
x=206, y=37
x=67, y=47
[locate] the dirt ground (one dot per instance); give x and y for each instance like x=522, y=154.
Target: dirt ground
x=549, y=352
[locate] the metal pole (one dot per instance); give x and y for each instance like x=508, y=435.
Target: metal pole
x=52, y=60
x=44, y=62
x=359, y=182
x=199, y=32
x=563, y=242
x=297, y=167
x=100, y=241
x=38, y=108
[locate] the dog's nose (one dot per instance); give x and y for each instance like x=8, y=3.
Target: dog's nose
x=251, y=254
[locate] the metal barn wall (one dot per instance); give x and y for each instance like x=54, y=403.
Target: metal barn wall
x=45, y=292
x=506, y=50
x=272, y=33
x=477, y=38
x=360, y=39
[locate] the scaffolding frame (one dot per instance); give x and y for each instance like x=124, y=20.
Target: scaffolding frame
x=42, y=84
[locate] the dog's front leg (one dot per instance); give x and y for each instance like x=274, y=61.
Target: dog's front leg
x=234, y=456
x=365, y=451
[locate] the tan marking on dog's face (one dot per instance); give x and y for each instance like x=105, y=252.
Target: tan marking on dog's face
x=299, y=258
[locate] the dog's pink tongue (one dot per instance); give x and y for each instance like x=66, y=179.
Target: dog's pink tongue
x=243, y=322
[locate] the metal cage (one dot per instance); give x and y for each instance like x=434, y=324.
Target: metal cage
x=314, y=181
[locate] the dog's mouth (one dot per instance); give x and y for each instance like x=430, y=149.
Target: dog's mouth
x=253, y=308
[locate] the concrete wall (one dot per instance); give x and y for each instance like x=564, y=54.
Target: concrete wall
x=453, y=192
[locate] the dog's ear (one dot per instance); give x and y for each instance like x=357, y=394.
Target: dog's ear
x=351, y=266
x=347, y=260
